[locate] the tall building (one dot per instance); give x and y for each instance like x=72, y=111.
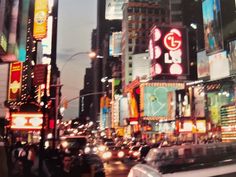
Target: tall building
x=138, y=18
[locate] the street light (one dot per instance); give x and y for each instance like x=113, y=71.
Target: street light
x=90, y=54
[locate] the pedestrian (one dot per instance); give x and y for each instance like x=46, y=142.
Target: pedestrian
x=24, y=167
x=33, y=157
x=67, y=169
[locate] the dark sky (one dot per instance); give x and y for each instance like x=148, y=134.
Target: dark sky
x=76, y=20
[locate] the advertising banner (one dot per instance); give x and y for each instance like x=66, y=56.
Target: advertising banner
x=168, y=51
x=113, y=10
x=199, y=101
x=202, y=65
x=219, y=62
x=213, y=36
x=22, y=39
x=115, y=44
x=15, y=81
x=124, y=110
x=232, y=56
x=154, y=98
x=40, y=19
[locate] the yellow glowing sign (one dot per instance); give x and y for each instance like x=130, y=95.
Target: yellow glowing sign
x=40, y=19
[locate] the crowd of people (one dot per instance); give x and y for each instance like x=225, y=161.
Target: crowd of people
x=23, y=161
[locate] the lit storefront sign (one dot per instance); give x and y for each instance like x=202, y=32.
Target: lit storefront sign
x=156, y=100
x=40, y=19
x=26, y=121
x=168, y=51
x=15, y=81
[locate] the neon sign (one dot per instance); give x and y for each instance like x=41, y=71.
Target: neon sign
x=167, y=50
x=26, y=121
x=173, y=40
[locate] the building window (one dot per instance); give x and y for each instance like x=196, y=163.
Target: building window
x=130, y=49
x=175, y=7
x=130, y=41
x=130, y=10
x=176, y=18
x=130, y=65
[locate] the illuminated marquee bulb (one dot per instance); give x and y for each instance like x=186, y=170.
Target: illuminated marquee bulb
x=36, y=121
x=20, y=121
x=157, y=52
x=157, y=34
x=158, y=68
x=176, y=69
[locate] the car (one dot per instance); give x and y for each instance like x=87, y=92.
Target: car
x=113, y=153
x=73, y=144
x=134, y=152
x=143, y=151
x=188, y=160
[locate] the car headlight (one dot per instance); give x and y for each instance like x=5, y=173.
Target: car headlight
x=121, y=154
x=95, y=149
x=87, y=150
x=64, y=144
x=102, y=148
x=136, y=153
x=106, y=155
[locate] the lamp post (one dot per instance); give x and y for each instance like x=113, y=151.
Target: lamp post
x=91, y=55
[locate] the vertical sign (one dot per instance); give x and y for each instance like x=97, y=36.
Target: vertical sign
x=15, y=81
x=40, y=19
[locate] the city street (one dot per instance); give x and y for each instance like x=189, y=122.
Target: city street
x=118, y=169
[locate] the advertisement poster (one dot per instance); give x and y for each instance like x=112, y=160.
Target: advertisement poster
x=40, y=19
x=154, y=98
x=15, y=81
x=213, y=37
x=113, y=9
x=202, y=65
x=232, y=56
x=199, y=101
x=219, y=62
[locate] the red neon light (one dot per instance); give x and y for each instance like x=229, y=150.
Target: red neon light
x=176, y=69
x=173, y=40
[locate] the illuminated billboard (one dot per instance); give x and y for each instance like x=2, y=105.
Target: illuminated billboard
x=154, y=101
x=15, y=81
x=26, y=121
x=202, y=65
x=213, y=37
x=40, y=19
x=115, y=44
x=219, y=62
x=114, y=10
x=168, y=51
x=232, y=56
